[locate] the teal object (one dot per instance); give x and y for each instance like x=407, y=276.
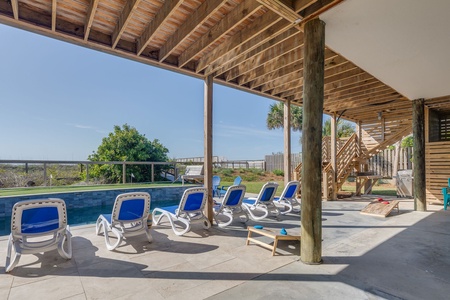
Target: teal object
x=283, y=231
x=258, y=227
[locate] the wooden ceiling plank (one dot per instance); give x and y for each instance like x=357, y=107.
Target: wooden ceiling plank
x=124, y=18
x=253, y=60
x=90, y=18
x=195, y=20
x=263, y=74
x=218, y=31
x=235, y=58
x=15, y=8
x=161, y=16
x=283, y=8
x=299, y=5
x=258, y=28
x=54, y=4
x=278, y=73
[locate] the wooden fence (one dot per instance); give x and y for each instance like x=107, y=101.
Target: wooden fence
x=275, y=161
x=383, y=163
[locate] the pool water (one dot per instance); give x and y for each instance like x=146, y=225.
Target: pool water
x=81, y=216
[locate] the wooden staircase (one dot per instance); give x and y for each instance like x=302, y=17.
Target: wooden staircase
x=352, y=154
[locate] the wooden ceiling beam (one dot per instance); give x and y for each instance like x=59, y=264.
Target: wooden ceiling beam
x=283, y=8
x=264, y=74
x=367, y=102
x=252, y=61
x=239, y=58
x=124, y=18
x=352, y=72
x=54, y=4
x=161, y=16
x=260, y=32
x=360, y=90
x=193, y=22
x=277, y=74
x=15, y=9
x=263, y=29
x=90, y=18
x=221, y=29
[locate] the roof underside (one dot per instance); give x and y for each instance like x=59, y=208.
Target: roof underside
x=244, y=44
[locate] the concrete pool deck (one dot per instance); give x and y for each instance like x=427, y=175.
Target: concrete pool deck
x=405, y=256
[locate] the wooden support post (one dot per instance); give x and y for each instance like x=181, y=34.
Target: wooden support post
x=26, y=168
x=124, y=173
x=333, y=156
x=207, y=116
x=87, y=173
x=287, y=141
x=313, y=93
x=420, y=201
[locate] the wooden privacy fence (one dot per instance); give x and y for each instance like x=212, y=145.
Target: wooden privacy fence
x=276, y=161
x=383, y=162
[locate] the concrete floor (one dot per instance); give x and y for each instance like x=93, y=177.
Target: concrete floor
x=405, y=256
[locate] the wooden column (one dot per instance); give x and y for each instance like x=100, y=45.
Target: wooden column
x=87, y=173
x=207, y=116
x=420, y=201
x=333, y=155
x=45, y=174
x=287, y=141
x=313, y=78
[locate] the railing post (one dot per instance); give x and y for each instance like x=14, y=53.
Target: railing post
x=153, y=172
x=87, y=173
x=124, y=173
x=45, y=174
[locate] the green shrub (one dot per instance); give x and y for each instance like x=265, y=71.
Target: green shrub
x=278, y=172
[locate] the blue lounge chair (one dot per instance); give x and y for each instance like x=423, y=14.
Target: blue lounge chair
x=189, y=211
x=231, y=206
x=287, y=197
x=263, y=203
x=128, y=218
x=38, y=226
x=223, y=189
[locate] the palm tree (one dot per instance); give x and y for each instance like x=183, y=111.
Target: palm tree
x=344, y=128
x=276, y=115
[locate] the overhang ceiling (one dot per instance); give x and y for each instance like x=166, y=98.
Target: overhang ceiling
x=403, y=43
x=257, y=45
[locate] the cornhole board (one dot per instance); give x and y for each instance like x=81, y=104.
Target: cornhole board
x=379, y=209
x=271, y=234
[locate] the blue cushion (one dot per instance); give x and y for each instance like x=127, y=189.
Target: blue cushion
x=132, y=209
x=40, y=219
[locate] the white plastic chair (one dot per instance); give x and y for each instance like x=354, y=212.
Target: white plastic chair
x=231, y=206
x=263, y=203
x=38, y=226
x=189, y=211
x=128, y=218
x=287, y=197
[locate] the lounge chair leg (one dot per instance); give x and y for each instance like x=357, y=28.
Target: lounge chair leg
x=9, y=266
x=66, y=239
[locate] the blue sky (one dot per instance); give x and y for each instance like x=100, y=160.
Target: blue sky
x=59, y=100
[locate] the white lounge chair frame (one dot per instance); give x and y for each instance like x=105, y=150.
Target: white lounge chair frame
x=288, y=197
x=189, y=211
x=32, y=238
x=263, y=203
x=125, y=227
x=231, y=206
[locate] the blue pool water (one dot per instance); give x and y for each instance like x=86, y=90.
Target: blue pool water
x=80, y=216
